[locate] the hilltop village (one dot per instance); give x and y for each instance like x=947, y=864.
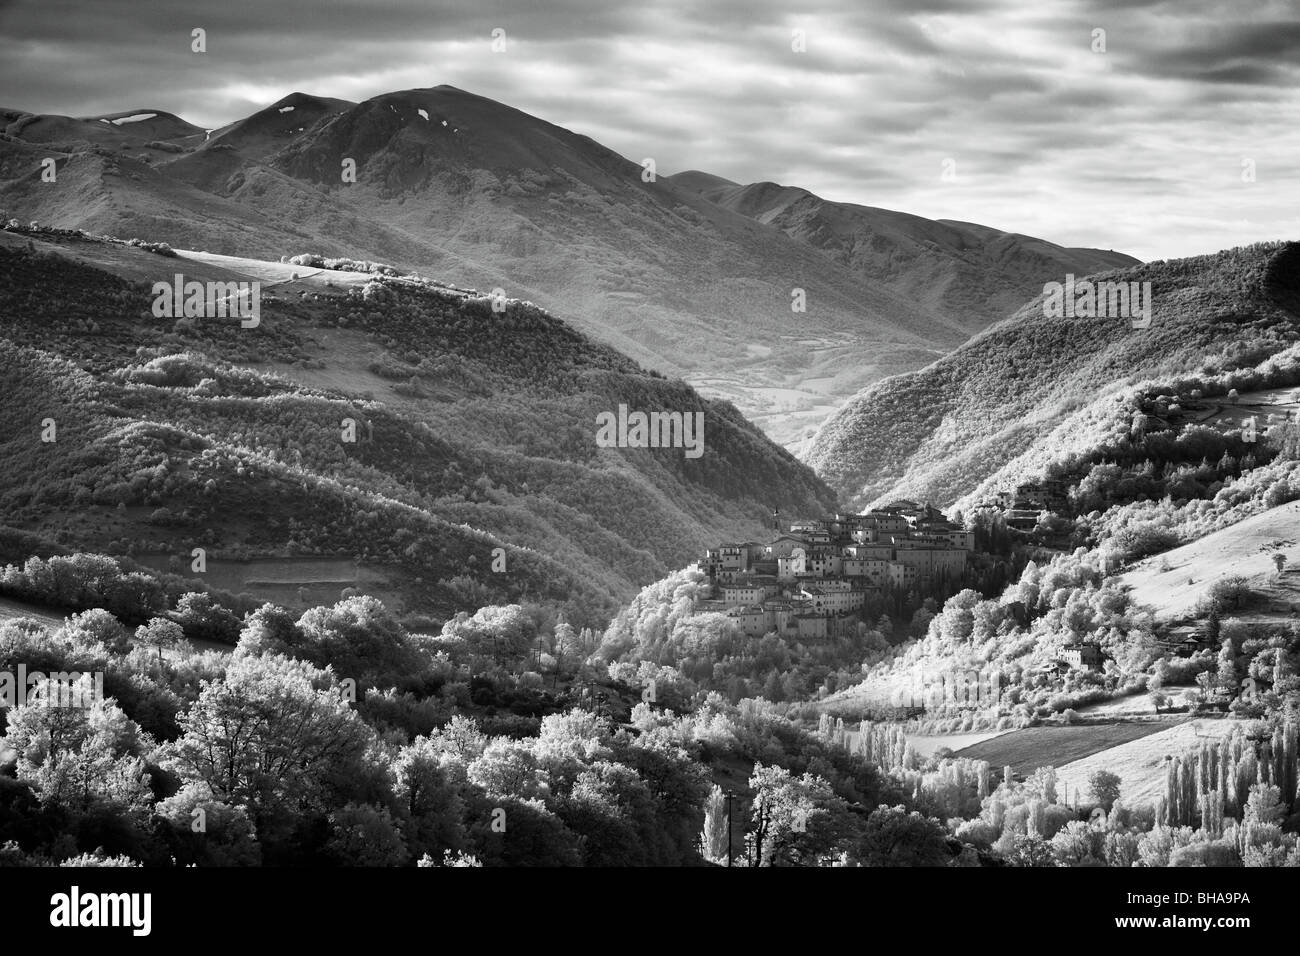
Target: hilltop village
x=812, y=581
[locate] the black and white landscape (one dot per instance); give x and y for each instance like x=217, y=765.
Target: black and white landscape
x=686, y=435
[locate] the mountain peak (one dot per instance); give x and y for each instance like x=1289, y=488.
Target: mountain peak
x=298, y=98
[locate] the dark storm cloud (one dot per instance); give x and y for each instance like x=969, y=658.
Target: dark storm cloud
x=1047, y=136
x=1265, y=54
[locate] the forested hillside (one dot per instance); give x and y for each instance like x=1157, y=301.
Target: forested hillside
x=1033, y=388
x=471, y=430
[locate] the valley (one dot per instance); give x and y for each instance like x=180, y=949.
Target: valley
x=427, y=525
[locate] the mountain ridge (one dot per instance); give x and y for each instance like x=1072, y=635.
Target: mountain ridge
x=1032, y=388
x=500, y=198
x=995, y=270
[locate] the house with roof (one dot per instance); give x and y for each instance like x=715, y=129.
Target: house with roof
x=785, y=545
x=1082, y=655
x=886, y=522
x=872, y=570
x=901, y=575
x=750, y=591
x=811, y=627
x=751, y=620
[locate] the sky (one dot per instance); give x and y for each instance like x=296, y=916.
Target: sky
x=1174, y=132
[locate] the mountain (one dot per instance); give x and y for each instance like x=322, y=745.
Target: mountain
x=1032, y=389
x=267, y=131
x=132, y=129
x=452, y=184
x=972, y=275
x=473, y=428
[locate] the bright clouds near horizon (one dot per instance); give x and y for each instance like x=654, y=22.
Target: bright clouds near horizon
x=1140, y=148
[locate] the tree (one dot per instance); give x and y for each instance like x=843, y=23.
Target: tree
x=1233, y=591
x=713, y=838
x=608, y=806
x=364, y=835
x=203, y=619
x=1042, y=784
x=160, y=633
x=512, y=832
x=424, y=775
x=796, y=820
x=894, y=837
x=1226, y=677
x=1030, y=850
x=461, y=737
x=134, y=596
x=1154, y=684
x=1279, y=560
x=1264, y=805
x=1104, y=787
x=772, y=687
x=504, y=632
x=76, y=757
x=509, y=768
x=207, y=832
x=274, y=736
x=360, y=639
x=271, y=629
x=565, y=644
x=676, y=781
x=97, y=626
x=1077, y=844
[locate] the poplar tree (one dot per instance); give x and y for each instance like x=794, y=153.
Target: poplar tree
x=713, y=838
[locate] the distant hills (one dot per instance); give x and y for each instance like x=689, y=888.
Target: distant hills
x=474, y=431
x=971, y=275
x=1032, y=389
x=689, y=274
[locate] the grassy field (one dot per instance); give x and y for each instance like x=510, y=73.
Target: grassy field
x=9, y=610
x=285, y=276
x=1140, y=764
x=1130, y=705
x=1027, y=750
x=1263, y=405
x=1244, y=549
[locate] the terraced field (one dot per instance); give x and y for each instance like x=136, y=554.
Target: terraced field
x=1140, y=764
x=291, y=582
x=1033, y=747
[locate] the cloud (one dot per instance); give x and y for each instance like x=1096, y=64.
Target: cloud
x=1139, y=147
